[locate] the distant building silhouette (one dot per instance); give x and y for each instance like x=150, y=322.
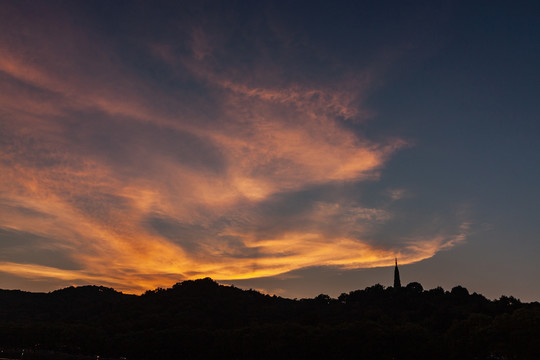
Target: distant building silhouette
x=397, y=282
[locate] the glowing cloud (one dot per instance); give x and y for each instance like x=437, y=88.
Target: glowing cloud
x=141, y=182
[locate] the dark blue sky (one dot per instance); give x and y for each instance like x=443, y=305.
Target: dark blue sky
x=292, y=147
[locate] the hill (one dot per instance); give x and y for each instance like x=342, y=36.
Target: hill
x=201, y=319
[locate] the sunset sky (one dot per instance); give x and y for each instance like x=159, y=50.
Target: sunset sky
x=293, y=147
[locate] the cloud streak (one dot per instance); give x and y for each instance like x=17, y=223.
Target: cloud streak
x=142, y=182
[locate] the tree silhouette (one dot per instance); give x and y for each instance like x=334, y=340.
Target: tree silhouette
x=201, y=319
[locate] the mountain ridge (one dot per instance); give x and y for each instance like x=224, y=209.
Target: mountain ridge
x=203, y=319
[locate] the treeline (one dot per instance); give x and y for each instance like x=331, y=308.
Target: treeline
x=201, y=319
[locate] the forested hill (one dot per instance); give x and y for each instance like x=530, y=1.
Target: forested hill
x=202, y=319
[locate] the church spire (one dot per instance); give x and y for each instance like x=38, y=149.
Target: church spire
x=397, y=282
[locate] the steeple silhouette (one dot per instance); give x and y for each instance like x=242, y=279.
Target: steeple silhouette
x=397, y=282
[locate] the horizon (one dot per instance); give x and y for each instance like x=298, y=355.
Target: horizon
x=263, y=291
x=289, y=148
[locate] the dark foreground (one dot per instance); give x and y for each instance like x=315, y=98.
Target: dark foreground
x=201, y=319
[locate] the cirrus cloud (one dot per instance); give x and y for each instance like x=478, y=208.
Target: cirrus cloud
x=137, y=180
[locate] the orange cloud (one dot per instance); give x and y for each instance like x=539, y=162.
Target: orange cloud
x=140, y=187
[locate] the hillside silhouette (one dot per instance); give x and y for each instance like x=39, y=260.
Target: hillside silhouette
x=202, y=319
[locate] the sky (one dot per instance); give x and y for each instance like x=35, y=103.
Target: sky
x=292, y=147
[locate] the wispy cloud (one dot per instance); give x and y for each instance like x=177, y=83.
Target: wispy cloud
x=142, y=180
